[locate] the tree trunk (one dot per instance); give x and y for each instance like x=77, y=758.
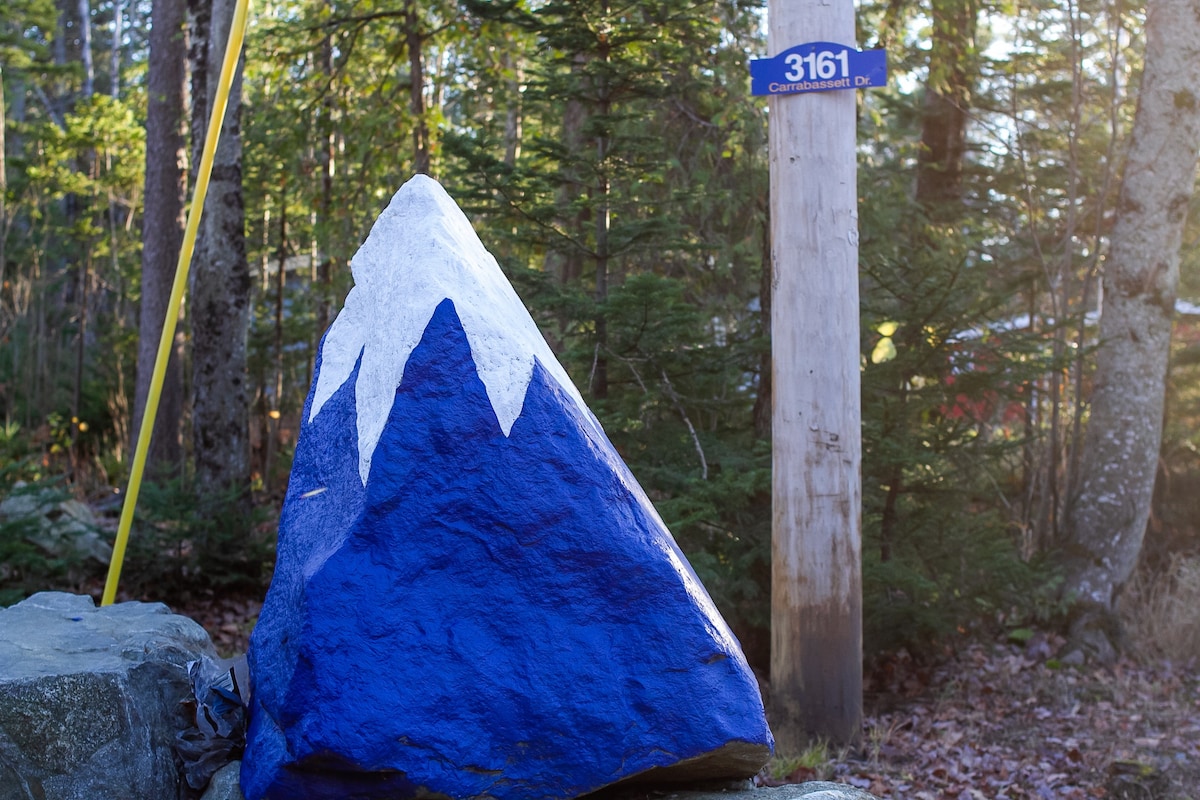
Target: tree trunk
x=762, y=400
x=602, y=218
x=118, y=32
x=325, y=229
x=564, y=259
x=512, y=64
x=221, y=297
x=162, y=226
x=416, y=64
x=1108, y=513
x=564, y=255
x=947, y=99
x=3, y=201
x=85, y=48
x=199, y=22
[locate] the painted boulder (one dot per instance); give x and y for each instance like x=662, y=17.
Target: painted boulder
x=473, y=597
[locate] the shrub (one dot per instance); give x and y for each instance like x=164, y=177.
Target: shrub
x=1160, y=611
x=181, y=546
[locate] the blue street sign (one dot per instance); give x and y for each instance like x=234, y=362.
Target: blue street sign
x=818, y=67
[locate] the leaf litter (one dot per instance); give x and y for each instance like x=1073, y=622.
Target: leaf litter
x=986, y=721
x=1008, y=720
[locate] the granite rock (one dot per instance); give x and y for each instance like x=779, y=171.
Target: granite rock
x=90, y=698
x=225, y=783
x=473, y=597
x=56, y=524
x=812, y=790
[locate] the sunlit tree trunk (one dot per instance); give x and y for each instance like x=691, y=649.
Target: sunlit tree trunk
x=85, y=48
x=513, y=114
x=1108, y=513
x=115, y=65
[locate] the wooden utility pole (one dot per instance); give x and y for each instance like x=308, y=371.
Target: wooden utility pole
x=816, y=595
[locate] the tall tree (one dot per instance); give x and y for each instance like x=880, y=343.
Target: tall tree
x=414, y=39
x=1109, y=510
x=945, y=110
x=162, y=227
x=327, y=155
x=221, y=292
x=118, y=33
x=947, y=103
x=84, y=8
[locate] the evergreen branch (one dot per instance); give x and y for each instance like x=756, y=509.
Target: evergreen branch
x=671, y=393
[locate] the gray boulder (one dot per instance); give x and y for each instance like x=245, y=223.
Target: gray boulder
x=813, y=790
x=90, y=698
x=225, y=784
x=56, y=524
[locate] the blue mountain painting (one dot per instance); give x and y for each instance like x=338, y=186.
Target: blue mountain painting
x=490, y=615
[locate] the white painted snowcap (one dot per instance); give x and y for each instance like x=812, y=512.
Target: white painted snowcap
x=422, y=250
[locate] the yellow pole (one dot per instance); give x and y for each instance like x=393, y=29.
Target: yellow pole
x=233, y=51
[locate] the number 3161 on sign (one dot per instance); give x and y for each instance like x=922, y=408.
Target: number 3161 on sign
x=818, y=67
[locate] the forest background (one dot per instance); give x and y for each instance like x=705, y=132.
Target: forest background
x=613, y=160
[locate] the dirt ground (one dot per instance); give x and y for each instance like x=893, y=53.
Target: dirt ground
x=1001, y=720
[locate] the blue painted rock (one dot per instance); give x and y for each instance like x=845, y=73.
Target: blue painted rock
x=473, y=597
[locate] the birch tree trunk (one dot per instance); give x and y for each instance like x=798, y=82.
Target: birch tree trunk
x=115, y=63
x=221, y=296
x=1110, y=507
x=85, y=48
x=162, y=227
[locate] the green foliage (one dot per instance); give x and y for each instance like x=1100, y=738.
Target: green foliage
x=949, y=385
x=962, y=573
x=181, y=547
x=24, y=568
x=612, y=159
x=724, y=525
x=18, y=458
x=66, y=300
x=813, y=763
x=631, y=221
x=25, y=26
